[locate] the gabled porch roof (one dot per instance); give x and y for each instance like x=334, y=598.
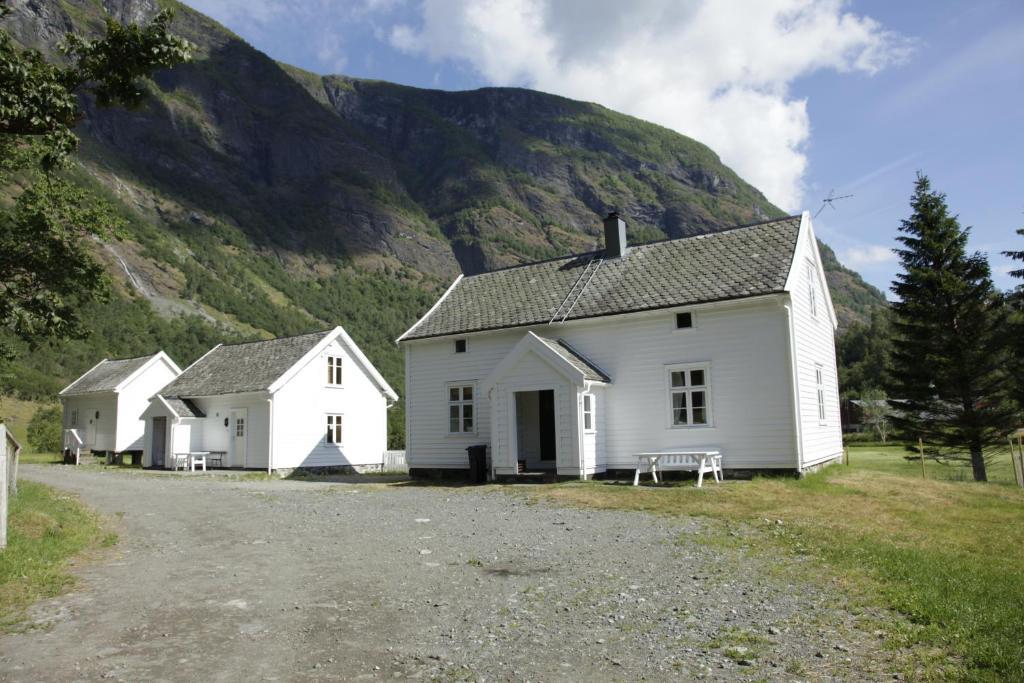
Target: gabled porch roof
x=569, y=362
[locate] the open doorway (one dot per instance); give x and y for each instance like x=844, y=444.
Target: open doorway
x=535, y=429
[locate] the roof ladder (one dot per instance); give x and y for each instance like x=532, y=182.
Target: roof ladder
x=576, y=291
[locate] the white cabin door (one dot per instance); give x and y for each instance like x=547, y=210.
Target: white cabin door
x=239, y=436
x=90, y=431
x=159, y=446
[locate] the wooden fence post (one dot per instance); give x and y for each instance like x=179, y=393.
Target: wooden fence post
x=1017, y=459
x=920, y=450
x=4, y=490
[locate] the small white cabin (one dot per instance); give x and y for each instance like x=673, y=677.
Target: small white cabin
x=102, y=409
x=313, y=400
x=575, y=365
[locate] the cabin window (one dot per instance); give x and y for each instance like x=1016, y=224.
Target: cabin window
x=334, y=370
x=333, y=429
x=588, y=413
x=684, y=320
x=819, y=380
x=74, y=417
x=812, y=290
x=461, y=409
x=239, y=426
x=460, y=346
x=689, y=395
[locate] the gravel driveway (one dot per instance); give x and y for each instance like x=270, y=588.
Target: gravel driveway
x=288, y=580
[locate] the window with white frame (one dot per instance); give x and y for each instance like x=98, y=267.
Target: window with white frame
x=689, y=395
x=334, y=370
x=74, y=417
x=460, y=346
x=333, y=429
x=812, y=289
x=239, y=426
x=819, y=379
x=588, y=413
x=461, y=409
x=684, y=320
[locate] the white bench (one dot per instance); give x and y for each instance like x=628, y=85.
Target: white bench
x=690, y=460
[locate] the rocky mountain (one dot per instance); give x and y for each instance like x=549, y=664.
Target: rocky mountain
x=266, y=200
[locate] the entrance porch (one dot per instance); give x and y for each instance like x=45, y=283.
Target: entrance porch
x=543, y=411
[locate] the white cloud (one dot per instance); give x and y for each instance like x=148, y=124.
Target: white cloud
x=717, y=70
x=867, y=255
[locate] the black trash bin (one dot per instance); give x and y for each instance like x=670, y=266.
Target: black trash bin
x=477, y=463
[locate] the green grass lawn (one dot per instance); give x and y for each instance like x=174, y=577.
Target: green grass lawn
x=947, y=554
x=46, y=527
x=891, y=459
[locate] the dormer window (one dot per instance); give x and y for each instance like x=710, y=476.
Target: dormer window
x=684, y=320
x=334, y=371
x=460, y=346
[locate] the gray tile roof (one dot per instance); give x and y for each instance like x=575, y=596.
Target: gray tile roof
x=184, y=407
x=581, y=362
x=237, y=368
x=731, y=264
x=105, y=376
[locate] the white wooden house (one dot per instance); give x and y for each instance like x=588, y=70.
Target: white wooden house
x=102, y=409
x=721, y=341
x=312, y=400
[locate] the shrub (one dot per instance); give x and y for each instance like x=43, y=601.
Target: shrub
x=44, y=430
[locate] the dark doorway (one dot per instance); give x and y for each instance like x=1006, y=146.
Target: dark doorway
x=547, y=424
x=159, y=441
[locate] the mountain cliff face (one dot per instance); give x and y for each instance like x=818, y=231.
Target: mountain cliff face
x=268, y=200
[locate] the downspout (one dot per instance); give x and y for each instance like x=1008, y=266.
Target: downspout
x=270, y=433
x=794, y=385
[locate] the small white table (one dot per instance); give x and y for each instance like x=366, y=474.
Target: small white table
x=197, y=458
x=701, y=461
x=191, y=459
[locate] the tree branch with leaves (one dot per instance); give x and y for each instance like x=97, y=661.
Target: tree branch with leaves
x=46, y=271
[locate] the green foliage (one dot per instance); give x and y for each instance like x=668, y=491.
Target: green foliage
x=44, y=430
x=949, y=352
x=41, y=99
x=865, y=354
x=119, y=328
x=1015, y=330
x=48, y=274
x=876, y=412
x=1017, y=256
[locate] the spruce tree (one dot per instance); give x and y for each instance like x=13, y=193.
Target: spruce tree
x=1015, y=329
x=949, y=354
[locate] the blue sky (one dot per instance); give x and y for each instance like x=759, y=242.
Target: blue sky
x=799, y=96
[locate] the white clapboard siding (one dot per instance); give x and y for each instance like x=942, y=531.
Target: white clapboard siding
x=98, y=433
x=814, y=340
x=532, y=373
x=746, y=344
x=300, y=415
x=133, y=399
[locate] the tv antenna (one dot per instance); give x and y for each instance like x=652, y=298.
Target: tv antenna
x=828, y=201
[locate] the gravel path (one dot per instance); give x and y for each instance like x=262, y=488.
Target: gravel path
x=219, y=580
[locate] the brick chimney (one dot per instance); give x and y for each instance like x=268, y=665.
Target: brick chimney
x=614, y=236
